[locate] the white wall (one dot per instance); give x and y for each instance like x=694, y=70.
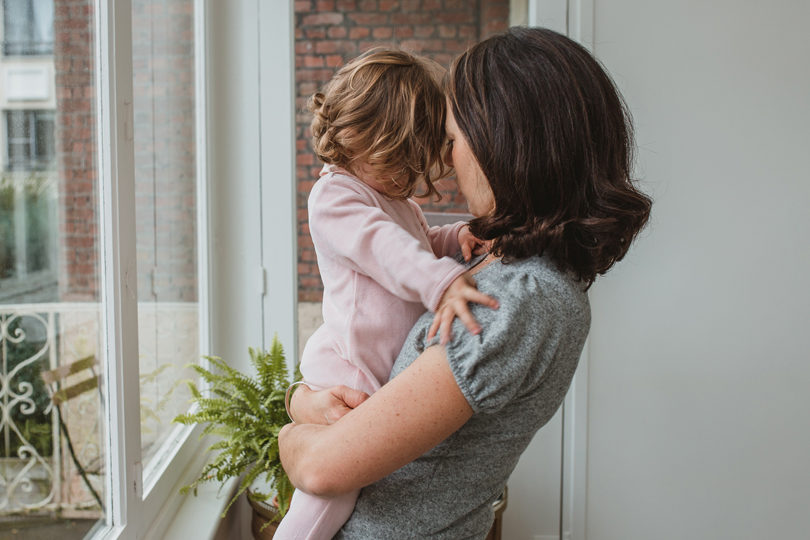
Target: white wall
x=699, y=364
x=252, y=152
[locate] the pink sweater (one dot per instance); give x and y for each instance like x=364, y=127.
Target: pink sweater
x=381, y=266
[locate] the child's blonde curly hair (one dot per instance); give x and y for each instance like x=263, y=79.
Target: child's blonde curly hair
x=386, y=109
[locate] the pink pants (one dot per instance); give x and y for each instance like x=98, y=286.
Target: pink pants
x=314, y=518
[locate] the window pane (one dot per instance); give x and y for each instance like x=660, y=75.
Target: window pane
x=28, y=27
x=166, y=202
x=52, y=473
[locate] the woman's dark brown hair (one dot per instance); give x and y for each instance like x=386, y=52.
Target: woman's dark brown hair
x=554, y=138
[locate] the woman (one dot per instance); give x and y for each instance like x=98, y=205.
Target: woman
x=541, y=142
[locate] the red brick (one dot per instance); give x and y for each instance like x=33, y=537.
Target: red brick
x=388, y=5
x=316, y=33
x=454, y=17
x=447, y=31
x=359, y=32
x=337, y=32
x=303, y=6
x=412, y=18
x=368, y=18
x=334, y=61
x=403, y=32
x=424, y=31
x=382, y=32
x=313, y=61
x=466, y=31
x=496, y=12
x=325, y=5
x=322, y=19
x=335, y=46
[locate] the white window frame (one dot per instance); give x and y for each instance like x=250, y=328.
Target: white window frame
x=132, y=511
x=258, y=35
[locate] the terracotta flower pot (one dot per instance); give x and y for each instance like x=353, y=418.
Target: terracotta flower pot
x=263, y=512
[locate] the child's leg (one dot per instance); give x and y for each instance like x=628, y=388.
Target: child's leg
x=314, y=518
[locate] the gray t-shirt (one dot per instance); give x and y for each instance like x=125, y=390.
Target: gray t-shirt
x=514, y=374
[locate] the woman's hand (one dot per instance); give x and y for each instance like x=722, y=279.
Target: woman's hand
x=326, y=406
x=470, y=245
x=454, y=304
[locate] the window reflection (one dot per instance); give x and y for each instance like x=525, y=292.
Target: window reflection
x=28, y=27
x=51, y=355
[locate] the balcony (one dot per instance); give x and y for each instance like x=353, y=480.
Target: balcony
x=39, y=458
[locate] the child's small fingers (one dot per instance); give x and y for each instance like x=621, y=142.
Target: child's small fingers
x=465, y=250
x=434, y=326
x=447, y=323
x=469, y=321
x=474, y=295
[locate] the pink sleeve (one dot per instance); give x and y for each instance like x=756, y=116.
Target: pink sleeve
x=345, y=224
x=444, y=239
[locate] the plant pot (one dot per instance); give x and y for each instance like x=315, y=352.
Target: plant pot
x=263, y=512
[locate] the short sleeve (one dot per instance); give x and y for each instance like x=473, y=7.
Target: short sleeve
x=514, y=349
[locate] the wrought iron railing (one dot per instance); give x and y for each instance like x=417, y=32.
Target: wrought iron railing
x=51, y=463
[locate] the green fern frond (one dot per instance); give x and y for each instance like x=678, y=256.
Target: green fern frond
x=245, y=413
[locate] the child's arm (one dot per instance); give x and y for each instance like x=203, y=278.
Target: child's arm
x=446, y=240
x=346, y=224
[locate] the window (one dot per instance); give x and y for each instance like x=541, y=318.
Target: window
x=100, y=272
x=30, y=140
x=28, y=27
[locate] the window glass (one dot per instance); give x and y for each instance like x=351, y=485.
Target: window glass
x=30, y=136
x=166, y=202
x=52, y=472
x=28, y=27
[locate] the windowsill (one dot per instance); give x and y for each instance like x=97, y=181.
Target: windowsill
x=190, y=516
x=199, y=517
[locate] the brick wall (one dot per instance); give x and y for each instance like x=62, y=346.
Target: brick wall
x=165, y=183
x=165, y=168
x=330, y=32
x=76, y=150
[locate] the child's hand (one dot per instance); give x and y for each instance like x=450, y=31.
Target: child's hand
x=454, y=304
x=324, y=406
x=469, y=244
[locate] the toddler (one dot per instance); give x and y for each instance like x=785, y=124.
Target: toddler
x=378, y=127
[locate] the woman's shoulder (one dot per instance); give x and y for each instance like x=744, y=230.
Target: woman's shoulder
x=534, y=282
x=540, y=326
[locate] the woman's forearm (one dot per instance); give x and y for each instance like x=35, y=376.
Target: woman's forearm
x=407, y=417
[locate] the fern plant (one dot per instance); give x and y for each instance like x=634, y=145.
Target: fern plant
x=246, y=413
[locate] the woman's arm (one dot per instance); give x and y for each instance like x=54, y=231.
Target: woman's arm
x=411, y=414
